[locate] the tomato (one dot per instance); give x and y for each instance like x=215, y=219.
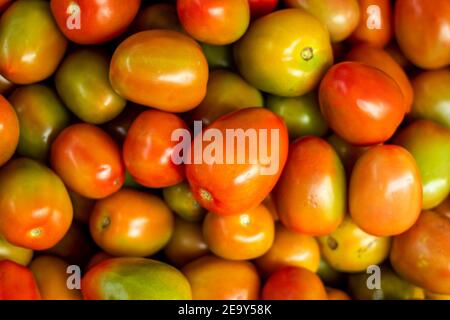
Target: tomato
x=14, y=253
x=341, y=17
x=336, y=294
x=134, y=279
x=421, y=29
x=350, y=249
x=93, y=21
x=82, y=207
x=52, y=279
x=240, y=237
x=131, y=223
x=174, y=70
x=375, y=23
x=385, y=193
x=17, y=282
x=32, y=46
x=429, y=144
x=119, y=126
x=285, y=53
x=181, y=200
x=186, y=244
x=226, y=92
x=41, y=115
x=378, y=58
x=362, y=104
x=157, y=16
x=214, y=21
x=431, y=96
x=301, y=114
x=218, y=56
x=42, y=220
x=259, y=8
x=83, y=84
x=294, y=283
x=421, y=255
x=214, y=278
x=311, y=193
x=148, y=149
x=289, y=249
x=242, y=183
x=347, y=153
x=9, y=131
x=91, y=172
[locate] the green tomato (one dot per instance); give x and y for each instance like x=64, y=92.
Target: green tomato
x=181, y=200
x=218, y=56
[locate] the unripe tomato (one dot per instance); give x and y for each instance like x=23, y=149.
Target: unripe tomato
x=17, y=282
x=9, y=131
x=14, y=253
x=157, y=16
x=181, y=200
x=259, y=8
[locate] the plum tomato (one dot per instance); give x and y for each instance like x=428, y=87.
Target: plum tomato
x=259, y=8
x=180, y=199
x=9, y=130
x=14, y=253
x=17, y=282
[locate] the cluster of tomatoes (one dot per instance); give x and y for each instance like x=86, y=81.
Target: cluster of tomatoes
x=93, y=205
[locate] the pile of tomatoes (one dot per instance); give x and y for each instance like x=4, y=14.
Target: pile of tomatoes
x=93, y=205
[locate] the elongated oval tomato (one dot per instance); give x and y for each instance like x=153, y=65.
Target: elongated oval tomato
x=230, y=180
x=17, y=282
x=9, y=131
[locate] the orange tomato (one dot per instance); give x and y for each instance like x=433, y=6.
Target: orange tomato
x=17, y=282
x=9, y=131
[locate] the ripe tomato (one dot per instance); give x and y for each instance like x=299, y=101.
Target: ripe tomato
x=336, y=294
x=9, y=131
x=14, y=253
x=131, y=223
x=385, y=193
x=259, y=8
x=214, y=21
x=157, y=16
x=214, y=278
x=93, y=21
x=242, y=183
x=92, y=172
x=284, y=53
x=362, y=104
x=17, y=282
x=174, y=70
x=42, y=220
x=181, y=200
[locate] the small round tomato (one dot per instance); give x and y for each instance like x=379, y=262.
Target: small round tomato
x=9, y=131
x=284, y=53
x=131, y=223
x=82, y=82
x=226, y=182
x=214, y=278
x=157, y=16
x=41, y=115
x=347, y=153
x=385, y=193
x=93, y=172
x=311, y=193
x=148, y=149
x=174, y=70
x=336, y=294
x=421, y=255
x=42, y=220
x=294, y=283
x=93, y=21
x=218, y=56
x=14, y=253
x=32, y=45
x=350, y=249
x=421, y=29
x=17, y=282
x=290, y=249
x=361, y=103
x=181, y=200
x=259, y=8
x=214, y=21
x=52, y=279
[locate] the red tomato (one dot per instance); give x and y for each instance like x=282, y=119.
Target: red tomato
x=259, y=8
x=17, y=282
x=93, y=21
x=9, y=130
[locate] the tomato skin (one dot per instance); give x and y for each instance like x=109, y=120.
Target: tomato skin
x=175, y=70
x=311, y=192
x=259, y=8
x=220, y=188
x=148, y=148
x=42, y=220
x=32, y=44
x=362, y=104
x=14, y=253
x=93, y=173
x=180, y=200
x=421, y=255
x=385, y=194
x=420, y=29
x=17, y=282
x=95, y=26
x=214, y=21
x=9, y=130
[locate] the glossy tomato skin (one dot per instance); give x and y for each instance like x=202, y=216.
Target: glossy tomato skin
x=385, y=193
x=42, y=220
x=259, y=8
x=214, y=21
x=231, y=188
x=298, y=58
x=17, y=282
x=9, y=130
x=157, y=16
x=148, y=149
x=91, y=172
x=181, y=200
x=421, y=29
x=311, y=193
x=175, y=70
x=32, y=44
x=93, y=21
x=362, y=104
x=14, y=253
